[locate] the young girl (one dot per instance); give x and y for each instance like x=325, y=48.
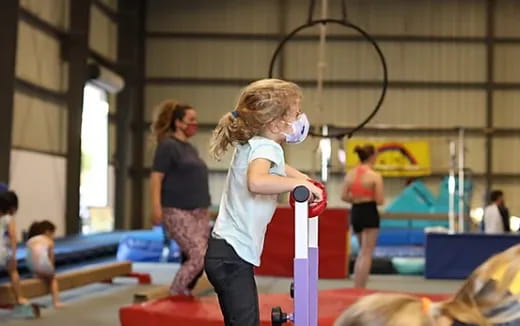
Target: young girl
x=8, y=208
x=364, y=189
x=267, y=115
x=490, y=296
x=40, y=255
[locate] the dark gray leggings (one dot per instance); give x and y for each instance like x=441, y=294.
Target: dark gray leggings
x=234, y=282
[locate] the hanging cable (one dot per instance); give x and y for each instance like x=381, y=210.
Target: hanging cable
x=310, y=14
x=325, y=146
x=344, y=11
x=339, y=133
x=322, y=60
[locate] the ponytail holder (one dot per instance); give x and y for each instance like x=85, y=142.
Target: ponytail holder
x=234, y=114
x=426, y=305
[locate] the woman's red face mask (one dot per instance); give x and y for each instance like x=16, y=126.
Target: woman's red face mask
x=191, y=129
x=189, y=123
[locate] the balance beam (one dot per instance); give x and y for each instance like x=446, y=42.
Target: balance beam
x=202, y=288
x=151, y=294
x=35, y=287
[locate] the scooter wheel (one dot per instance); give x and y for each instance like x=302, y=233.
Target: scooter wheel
x=278, y=317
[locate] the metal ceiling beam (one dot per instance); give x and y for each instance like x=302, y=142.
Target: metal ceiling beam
x=42, y=25
x=490, y=87
x=332, y=38
x=108, y=11
x=130, y=109
x=396, y=84
x=8, y=40
x=77, y=54
x=40, y=92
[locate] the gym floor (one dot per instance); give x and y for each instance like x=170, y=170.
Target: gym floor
x=98, y=304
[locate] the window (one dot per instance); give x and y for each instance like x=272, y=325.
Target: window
x=94, y=155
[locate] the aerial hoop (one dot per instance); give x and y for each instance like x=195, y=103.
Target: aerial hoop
x=368, y=38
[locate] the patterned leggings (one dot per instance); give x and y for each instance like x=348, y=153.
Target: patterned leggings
x=190, y=229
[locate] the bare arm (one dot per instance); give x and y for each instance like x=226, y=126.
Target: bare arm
x=345, y=194
x=379, y=193
x=294, y=173
x=51, y=253
x=156, y=180
x=259, y=181
x=12, y=237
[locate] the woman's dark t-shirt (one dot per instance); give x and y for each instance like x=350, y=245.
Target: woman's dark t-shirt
x=185, y=183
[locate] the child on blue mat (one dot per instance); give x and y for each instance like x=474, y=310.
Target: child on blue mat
x=8, y=208
x=40, y=256
x=267, y=115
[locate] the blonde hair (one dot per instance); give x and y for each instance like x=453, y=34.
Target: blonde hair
x=260, y=102
x=166, y=113
x=384, y=309
x=483, y=299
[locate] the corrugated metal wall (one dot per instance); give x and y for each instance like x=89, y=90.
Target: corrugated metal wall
x=506, y=105
x=203, y=51
x=206, y=70
x=40, y=125
x=40, y=122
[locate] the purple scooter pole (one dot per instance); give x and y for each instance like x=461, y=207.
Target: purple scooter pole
x=313, y=270
x=305, y=266
x=301, y=257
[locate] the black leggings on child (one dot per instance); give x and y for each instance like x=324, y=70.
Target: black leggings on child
x=234, y=282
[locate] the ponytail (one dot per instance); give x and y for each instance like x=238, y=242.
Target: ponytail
x=38, y=228
x=230, y=129
x=167, y=112
x=34, y=230
x=364, y=152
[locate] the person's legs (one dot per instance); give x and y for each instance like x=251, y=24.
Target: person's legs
x=215, y=270
x=15, y=280
x=53, y=284
x=359, y=257
x=193, y=283
x=44, y=269
x=234, y=282
x=364, y=260
x=183, y=226
x=357, y=228
x=203, y=234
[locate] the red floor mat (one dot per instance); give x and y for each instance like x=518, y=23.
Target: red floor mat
x=206, y=311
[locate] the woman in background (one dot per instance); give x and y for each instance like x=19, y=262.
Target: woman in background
x=363, y=188
x=180, y=190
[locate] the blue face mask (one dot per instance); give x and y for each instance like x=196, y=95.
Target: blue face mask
x=300, y=131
